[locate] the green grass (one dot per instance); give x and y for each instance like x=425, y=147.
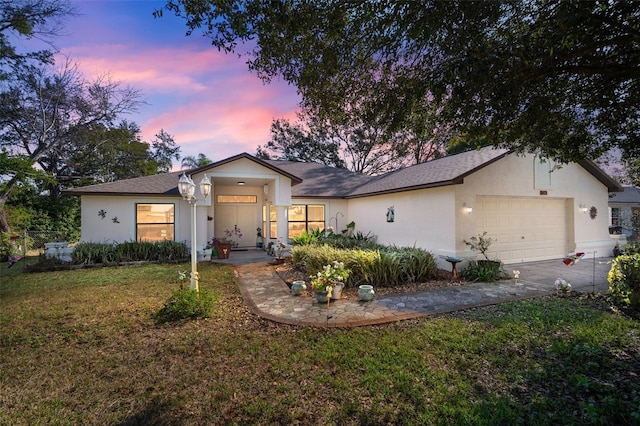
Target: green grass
x=83, y=347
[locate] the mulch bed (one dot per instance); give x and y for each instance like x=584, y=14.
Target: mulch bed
x=289, y=274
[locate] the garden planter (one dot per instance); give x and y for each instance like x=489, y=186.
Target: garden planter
x=366, y=293
x=336, y=293
x=321, y=296
x=298, y=287
x=222, y=251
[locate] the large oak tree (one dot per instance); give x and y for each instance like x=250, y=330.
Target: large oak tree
x=559, y=76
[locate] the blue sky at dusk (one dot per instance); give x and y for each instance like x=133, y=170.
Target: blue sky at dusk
x=207, y=100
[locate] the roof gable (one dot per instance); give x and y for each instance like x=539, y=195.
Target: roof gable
x=166, y=184
x=448, y=170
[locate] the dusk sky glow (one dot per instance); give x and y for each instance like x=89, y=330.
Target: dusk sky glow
x=207, y=100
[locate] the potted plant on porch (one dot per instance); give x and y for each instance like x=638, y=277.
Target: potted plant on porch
x=224, y=244
x=259, y=238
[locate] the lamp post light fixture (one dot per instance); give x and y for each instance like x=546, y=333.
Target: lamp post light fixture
x=188, y=192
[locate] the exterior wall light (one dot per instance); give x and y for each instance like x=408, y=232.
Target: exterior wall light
x=467, y=208
x=583, y=208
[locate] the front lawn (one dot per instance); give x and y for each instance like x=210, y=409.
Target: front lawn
x=82, y=347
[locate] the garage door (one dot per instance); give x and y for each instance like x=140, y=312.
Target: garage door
x=526, y=229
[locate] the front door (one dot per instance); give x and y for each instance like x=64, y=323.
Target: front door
x=241, y=216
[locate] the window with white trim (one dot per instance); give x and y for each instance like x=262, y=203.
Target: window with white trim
x=305, y=217
x=155, y=222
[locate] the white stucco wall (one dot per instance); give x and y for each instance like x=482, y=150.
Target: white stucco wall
x=97, y=229
x=423, y=218
x=514, y=176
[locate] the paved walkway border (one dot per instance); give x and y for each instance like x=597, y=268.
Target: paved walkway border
x=269, y=297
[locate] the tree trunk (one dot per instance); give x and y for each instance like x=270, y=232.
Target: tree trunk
x=4, y=226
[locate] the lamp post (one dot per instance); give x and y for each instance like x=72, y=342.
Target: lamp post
x=188, y=192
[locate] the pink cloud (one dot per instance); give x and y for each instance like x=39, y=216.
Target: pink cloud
x=207, y=100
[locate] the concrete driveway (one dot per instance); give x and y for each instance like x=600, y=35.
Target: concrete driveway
x=588, y=275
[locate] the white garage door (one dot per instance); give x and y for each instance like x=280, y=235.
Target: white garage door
x=526, y=229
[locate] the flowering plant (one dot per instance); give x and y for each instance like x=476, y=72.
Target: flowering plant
x=562, y=286
x=330, y=274
x=279, y=247
x=516, y=275
x=230, y=237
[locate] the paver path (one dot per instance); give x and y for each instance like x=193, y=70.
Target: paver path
x=270, y=297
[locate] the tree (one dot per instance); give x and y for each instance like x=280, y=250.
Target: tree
x=164, y=150
x=293, y=142
x=105, y=154
x=191, y=162
x=42, y=110
x=27, y=19
x=557, y=76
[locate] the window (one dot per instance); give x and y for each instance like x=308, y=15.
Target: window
x=273, y=222
x=155, y=222
x=246, y=199
x=305, y=217
x=615, y=216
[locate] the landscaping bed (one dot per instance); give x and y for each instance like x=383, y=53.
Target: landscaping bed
x=289, y=273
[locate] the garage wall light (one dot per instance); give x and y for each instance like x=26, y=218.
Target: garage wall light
x=583, y=208
x=467, y=208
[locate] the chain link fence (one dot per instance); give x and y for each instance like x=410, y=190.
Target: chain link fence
x=31, y=243
x=25, y=244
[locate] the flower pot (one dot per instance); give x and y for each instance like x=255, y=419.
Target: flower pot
x=365, y=292
x=223, y=251
x=298, y=287
x=321, y=296
x=336, y=293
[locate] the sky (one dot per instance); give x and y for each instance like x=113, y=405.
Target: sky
x=207, y=100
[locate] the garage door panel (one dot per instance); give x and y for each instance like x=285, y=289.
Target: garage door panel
x=525, y=229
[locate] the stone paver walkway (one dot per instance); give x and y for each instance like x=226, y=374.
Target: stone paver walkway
x=270, y=297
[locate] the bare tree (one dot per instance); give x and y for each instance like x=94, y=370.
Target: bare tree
x=42, y=109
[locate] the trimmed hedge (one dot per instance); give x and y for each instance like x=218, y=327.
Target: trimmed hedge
x=385, y=267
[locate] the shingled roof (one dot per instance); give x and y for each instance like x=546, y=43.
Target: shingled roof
x=448, y=170
x=160, y=184
x=314, y=180
x=630, y=195
x=322, y=181
x=165, y=183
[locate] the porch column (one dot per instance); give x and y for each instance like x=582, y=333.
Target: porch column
x=283, y=222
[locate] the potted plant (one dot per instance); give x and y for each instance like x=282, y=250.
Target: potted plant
x=277, y=251
x=224, y=244
x=259, y=238
x=563, y=288
x=332, y=278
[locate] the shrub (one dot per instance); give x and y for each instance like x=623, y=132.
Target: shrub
x=482, y=271
x=385, y=267
x=624, y=280
x=91, y=253
x=88, y=253
x=132, y=251
x=480, y=243
x=186, y=304
x=632, y=248
x=305, y=238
